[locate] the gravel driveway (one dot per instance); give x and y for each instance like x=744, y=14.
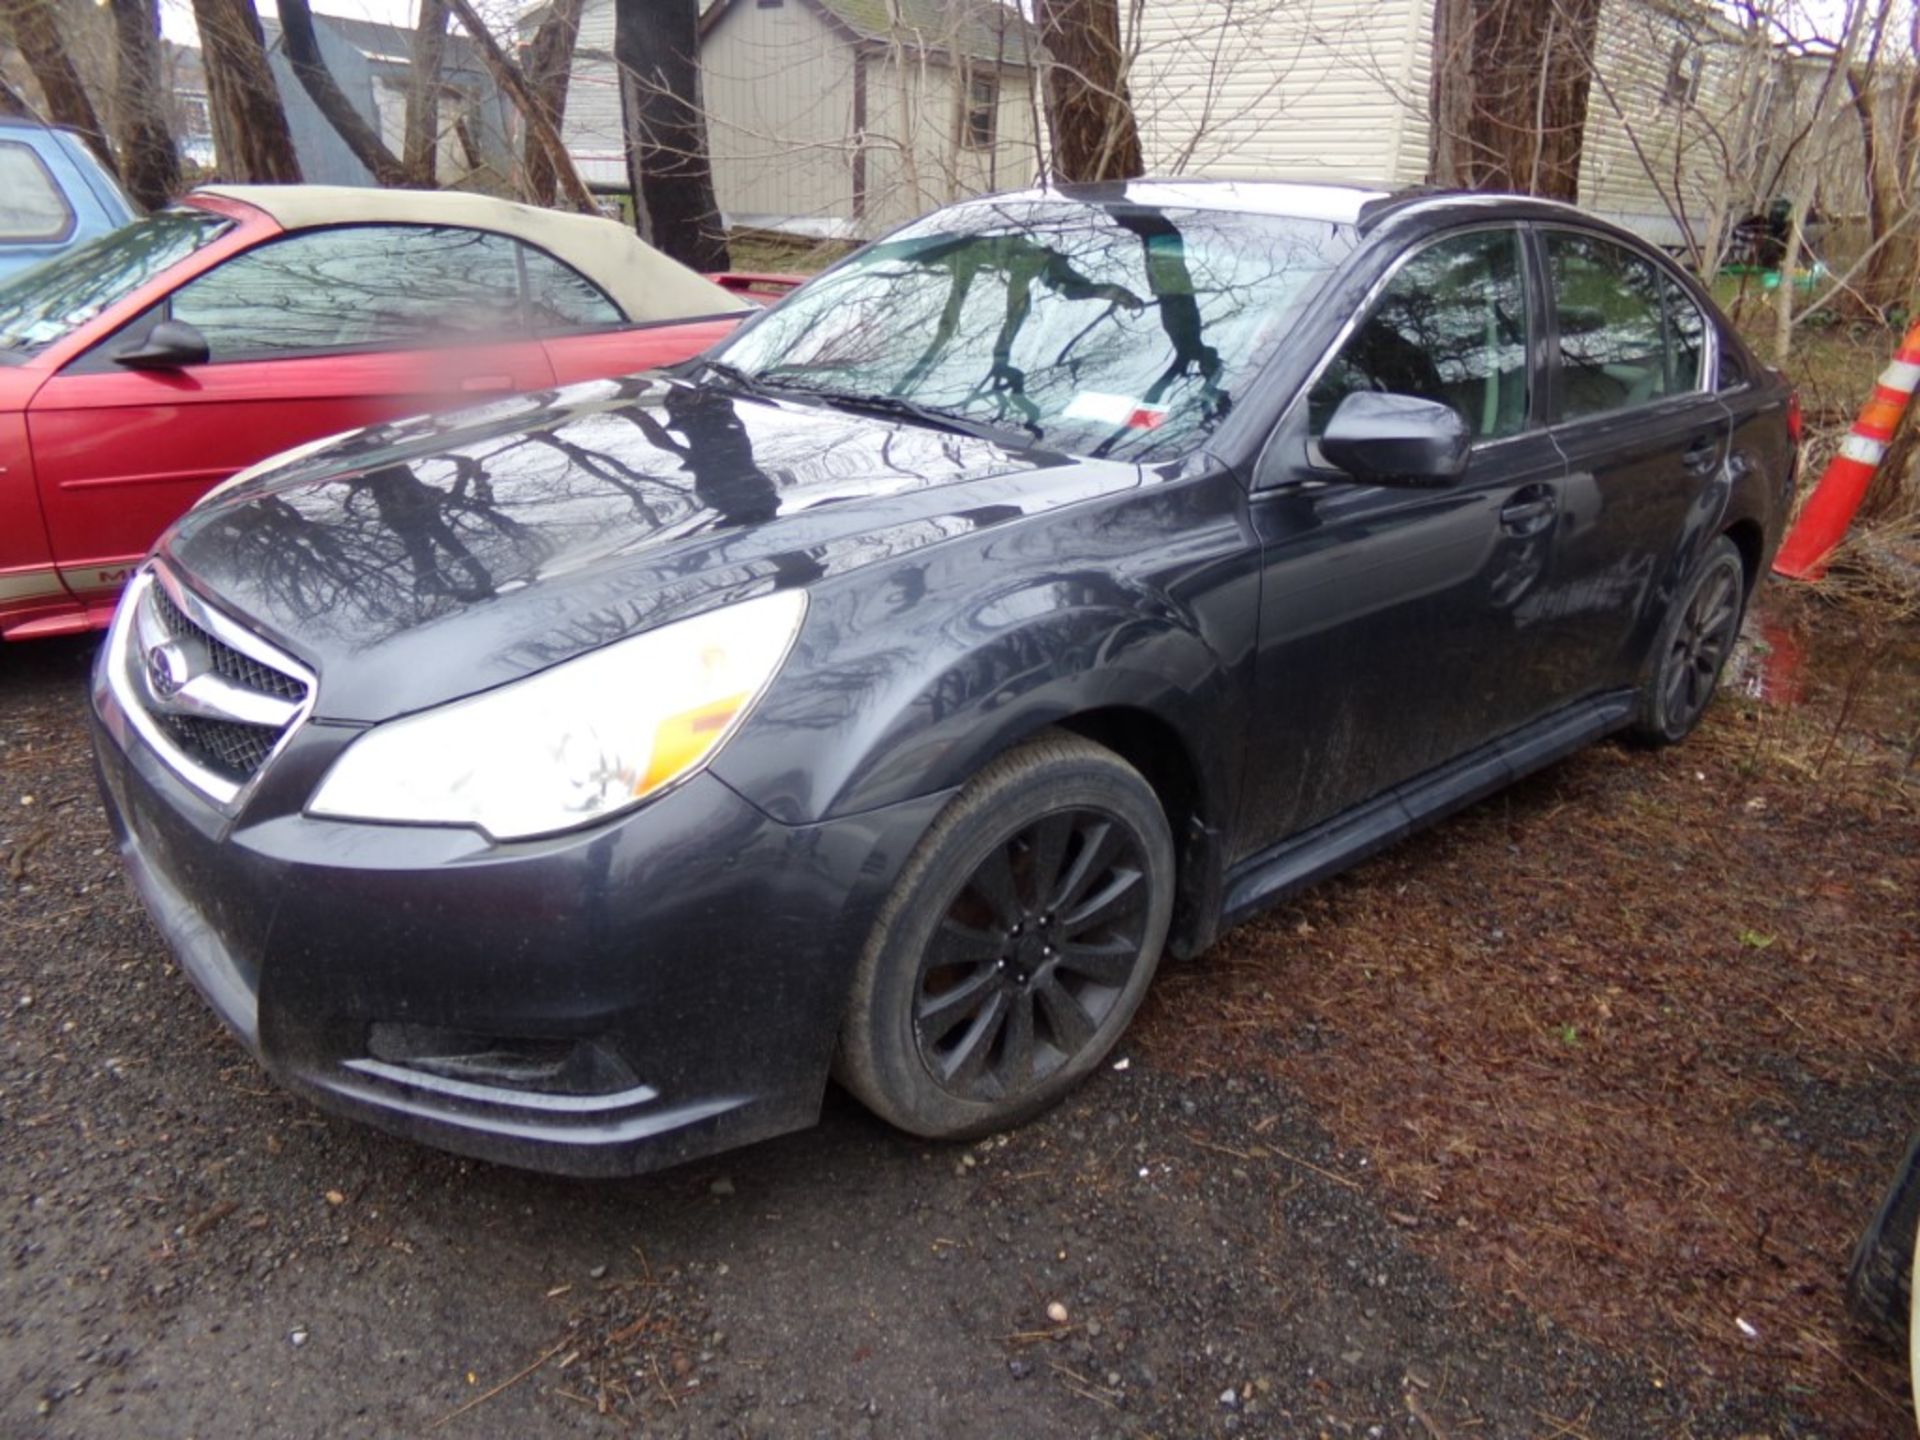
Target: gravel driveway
x=1248, y=1225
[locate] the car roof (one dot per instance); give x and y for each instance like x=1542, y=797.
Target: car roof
x=1304, y=200
x=646, y=284
x=1360, y=203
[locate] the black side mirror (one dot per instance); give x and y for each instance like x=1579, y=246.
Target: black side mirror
x=169, y=345
x=1397, y=440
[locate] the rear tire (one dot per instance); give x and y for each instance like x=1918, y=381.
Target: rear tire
x=1016, y=945
x=1694, y=644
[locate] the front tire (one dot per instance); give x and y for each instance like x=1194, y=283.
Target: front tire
x=1016, y=945
x=1693, y=647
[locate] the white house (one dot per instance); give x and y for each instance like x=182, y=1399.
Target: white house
x=835, y=117
x=1338, y=89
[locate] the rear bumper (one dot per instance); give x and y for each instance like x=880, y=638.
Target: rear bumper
x=652, y=990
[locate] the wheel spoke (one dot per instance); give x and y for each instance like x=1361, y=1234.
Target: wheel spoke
x=1098, y=841
x=1676, y=695
x=1015, y=1067
x=936, y=1016
x=993, y=883
x=1107, y=962
x=968, y=1060
x=955, y=943
x=1047, y=841
x=1072, y=1027
x=1122, y=894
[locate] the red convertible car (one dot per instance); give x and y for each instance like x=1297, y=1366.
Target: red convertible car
x=141, y=369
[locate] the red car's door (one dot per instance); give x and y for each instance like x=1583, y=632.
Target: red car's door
x=586, y=335
x=309, y=334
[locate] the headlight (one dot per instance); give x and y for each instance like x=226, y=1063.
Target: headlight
x=575, y=744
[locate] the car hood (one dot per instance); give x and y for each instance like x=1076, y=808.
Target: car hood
x=412, y=563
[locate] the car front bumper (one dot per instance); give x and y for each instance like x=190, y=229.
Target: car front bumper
x=627, y=997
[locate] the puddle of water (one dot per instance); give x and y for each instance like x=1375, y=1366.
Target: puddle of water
x=1791, y=653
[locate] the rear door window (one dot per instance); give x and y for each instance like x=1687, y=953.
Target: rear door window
x=1628, y=334
x=1451, y=326
x=560, y=298
x=36, y=211
x=358, y=287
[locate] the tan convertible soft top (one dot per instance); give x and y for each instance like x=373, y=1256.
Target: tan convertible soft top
x=642, y=281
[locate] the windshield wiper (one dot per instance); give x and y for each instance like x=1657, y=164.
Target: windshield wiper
x=935, y=416
x=733, y=375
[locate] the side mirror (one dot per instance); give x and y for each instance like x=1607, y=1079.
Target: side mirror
x=170, y=345
x=1397, y=440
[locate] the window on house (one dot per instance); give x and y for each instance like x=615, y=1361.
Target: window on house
x=983, y=103
x=1684, y=64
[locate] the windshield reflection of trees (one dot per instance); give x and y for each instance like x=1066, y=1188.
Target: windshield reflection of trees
x=43, y=303
x=1048, y=317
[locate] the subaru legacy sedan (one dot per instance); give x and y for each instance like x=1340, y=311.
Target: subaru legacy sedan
x=582, y=780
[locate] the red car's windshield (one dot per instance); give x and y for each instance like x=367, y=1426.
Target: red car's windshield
x=48, y=302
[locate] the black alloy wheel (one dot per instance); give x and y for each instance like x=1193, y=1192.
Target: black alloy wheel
x=1693, y=647
x=1017, y=944
x=1032, y=955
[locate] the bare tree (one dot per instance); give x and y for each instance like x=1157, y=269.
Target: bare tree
x=1511, y=80
x=149, y=163
x=1089, y=109
x=421, y=145
x=549, y=66
x=36, y=31
x=656, y=45
x=310, y=68
x=513, y=81
x=250, y=132
x=1884, y=90
x=13, y=103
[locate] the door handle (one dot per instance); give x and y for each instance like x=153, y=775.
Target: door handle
x=1530, y=511
x=486, y=384
x=1702, y=455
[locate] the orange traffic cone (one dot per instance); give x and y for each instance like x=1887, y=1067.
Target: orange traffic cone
x=1830, y=509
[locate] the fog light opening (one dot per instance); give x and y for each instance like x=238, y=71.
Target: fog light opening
x=543, y=1064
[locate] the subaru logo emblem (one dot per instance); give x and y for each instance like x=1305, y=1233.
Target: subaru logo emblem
x=166, y=670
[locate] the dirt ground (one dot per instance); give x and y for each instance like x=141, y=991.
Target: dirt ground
x=1558, y=1121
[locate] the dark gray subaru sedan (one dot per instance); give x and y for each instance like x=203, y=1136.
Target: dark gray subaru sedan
x=581, y=781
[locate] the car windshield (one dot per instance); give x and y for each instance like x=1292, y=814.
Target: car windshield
x=1124, y=331
x=43, y=304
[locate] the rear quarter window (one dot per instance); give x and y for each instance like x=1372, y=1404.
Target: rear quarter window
x=35, y=210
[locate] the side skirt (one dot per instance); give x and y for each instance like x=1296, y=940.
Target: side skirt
x=1313, y=855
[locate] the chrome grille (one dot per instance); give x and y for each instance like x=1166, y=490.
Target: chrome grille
x=211, y=697
x=235, y=665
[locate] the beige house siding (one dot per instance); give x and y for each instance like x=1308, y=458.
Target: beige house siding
x=779, y=90
x=1338, y=90
x=1288, y=89
x=793, y=144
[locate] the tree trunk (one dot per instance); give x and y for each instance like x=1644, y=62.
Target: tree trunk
x=1089, y=111
x=250, y=134
x=36, y=31
x=421, y=149
x=508, y=77
x=655, y=45
x=549, y=67
x=310, y=68
x=1526, y=71
x=149, y=163
x=14, y=104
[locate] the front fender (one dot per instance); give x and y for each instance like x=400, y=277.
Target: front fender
x=869, y=724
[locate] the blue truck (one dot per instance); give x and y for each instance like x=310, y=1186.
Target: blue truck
x=54, y=194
